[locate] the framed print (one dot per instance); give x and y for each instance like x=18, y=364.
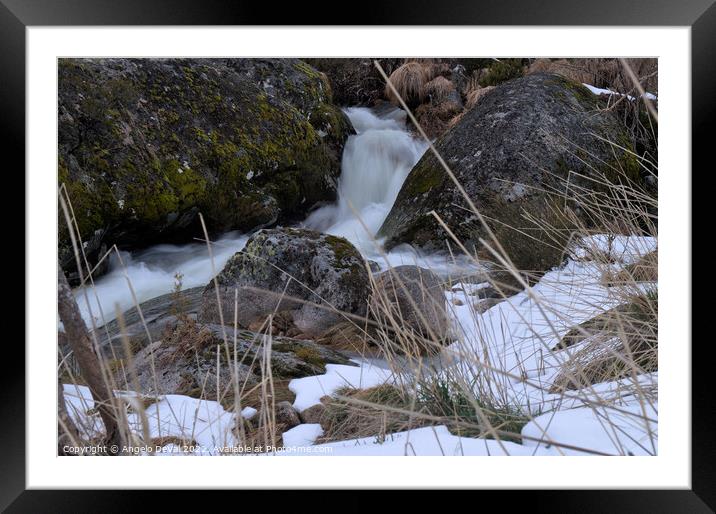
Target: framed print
x=422, y=250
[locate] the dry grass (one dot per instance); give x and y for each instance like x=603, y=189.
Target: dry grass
x=616, y=75
x=474, y=94
x=610, y=205
x=410, y=80
x=563, y=67
x=435, y=119
x=602, y=73
x=439, y=89
x=646, y=269
x=617, y=344
x=374, y=412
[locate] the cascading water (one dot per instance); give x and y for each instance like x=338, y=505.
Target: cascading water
x=152, y=273
x=375, y=163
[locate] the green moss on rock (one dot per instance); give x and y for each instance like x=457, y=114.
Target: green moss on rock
x=144, y=143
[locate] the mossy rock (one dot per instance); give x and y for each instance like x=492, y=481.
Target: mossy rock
x=319, y=279
x=514, y=154
x=147, y=144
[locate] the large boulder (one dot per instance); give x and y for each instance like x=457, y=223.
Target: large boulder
x=518, y=142
x=147, y=144
x=316, y=277
x=416, y=297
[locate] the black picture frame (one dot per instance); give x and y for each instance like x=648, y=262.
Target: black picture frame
x=700, y=15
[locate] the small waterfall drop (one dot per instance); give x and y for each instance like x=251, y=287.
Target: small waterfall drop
x=375, y=163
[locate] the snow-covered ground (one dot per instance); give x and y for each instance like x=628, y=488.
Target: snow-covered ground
x=511, y=340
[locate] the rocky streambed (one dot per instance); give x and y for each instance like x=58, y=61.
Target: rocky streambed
x=323, y=219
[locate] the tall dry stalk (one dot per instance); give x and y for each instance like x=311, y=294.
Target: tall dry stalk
x=89, y=363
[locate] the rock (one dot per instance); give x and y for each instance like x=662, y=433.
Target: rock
x=373, y=266
x=519, y=140
x=314, y=276
x=485, y=304
x=182, y=355
x=488, y=291
x=272, y=421
x=158, y=313
x=313, y=414
x=352, y=337
x=185, y=361
x=416, y=296
x=145, y=144
x=286, y=415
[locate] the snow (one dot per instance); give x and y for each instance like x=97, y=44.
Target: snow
x=203, y=422
x=507, y=347
x=602, y=91
x=302, y=435
x=248, y=412
x=619, y=248
x=563, y=432
x=629, y=431
x=309, y=390
x=426, y=441
x=516, y=336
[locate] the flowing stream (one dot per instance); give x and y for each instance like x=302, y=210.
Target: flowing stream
x=375, y=163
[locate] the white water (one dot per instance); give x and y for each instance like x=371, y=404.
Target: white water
x=375, y=163
x=152, y=273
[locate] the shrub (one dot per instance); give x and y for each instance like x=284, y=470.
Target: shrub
x=502, y=71
x=354, y=413
x=467, y=414
x=435, y=119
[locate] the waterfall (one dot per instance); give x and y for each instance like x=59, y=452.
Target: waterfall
x=375, y=163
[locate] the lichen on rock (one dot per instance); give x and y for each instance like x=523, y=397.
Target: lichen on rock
x=319, y=278
x=512, y=154
x=147, y=144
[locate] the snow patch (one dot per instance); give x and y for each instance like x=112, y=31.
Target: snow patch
x=309, y=390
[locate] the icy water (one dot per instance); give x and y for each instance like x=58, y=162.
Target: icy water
x=376, y=162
